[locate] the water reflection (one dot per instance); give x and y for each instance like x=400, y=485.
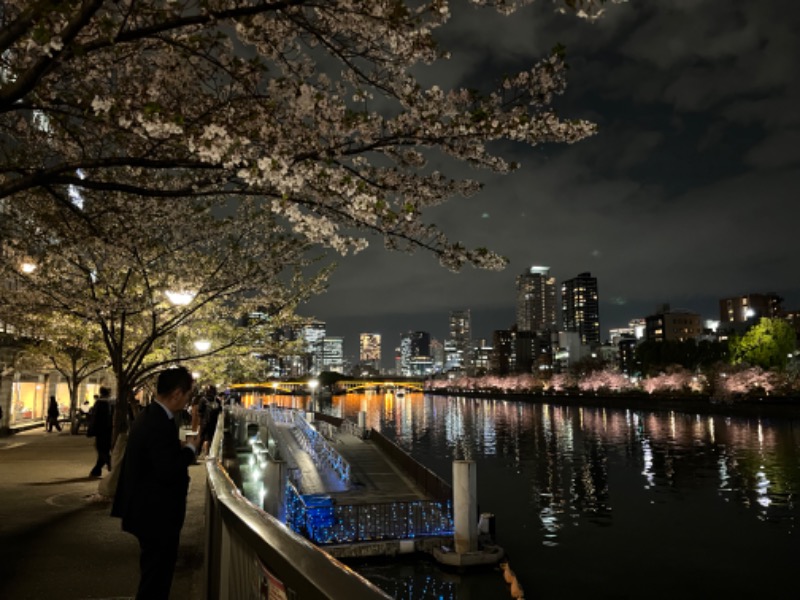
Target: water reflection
x=566, y=449
x=588, y=486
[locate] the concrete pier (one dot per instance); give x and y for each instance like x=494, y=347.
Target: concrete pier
x=465, y=505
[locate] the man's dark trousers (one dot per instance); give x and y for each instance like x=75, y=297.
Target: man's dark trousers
x=159, y=553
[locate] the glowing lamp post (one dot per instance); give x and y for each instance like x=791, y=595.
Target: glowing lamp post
x=179, y=299
x=202, y=345
x=313, y=385
x=27, y=267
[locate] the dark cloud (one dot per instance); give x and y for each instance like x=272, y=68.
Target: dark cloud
x=687, y=194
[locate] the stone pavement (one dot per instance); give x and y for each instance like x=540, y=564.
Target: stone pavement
x=55, y=542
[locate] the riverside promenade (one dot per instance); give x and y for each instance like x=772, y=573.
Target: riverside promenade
x=55, y=542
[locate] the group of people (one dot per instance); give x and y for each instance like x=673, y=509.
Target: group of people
x=153, y=483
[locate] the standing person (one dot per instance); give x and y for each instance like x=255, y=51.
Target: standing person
x=154, y=481
x=53, y=415
x=210, y=425
x=100, y=428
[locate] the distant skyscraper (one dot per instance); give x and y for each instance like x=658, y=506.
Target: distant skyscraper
x=457, y=346
x=333, y=354
x=313, y=335
x=415, y=353
x=370, y=345
x=503, y=359
x=536, y=300
x=580, y=308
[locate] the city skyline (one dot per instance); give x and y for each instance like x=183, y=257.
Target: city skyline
x=683, y=197
x=441, y=332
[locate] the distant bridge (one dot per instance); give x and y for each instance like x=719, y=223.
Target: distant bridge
x=363, y=385
x=276, y=387
x=345, y=385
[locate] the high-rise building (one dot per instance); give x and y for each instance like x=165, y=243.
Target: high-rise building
x=536, y=300
x=580, y=308
x=481, y=353
x=437, y=354
x=370, y=350
x=415, y=354
x=333, y=354
x=313, y=335
x=750, y=307
x=457, y=346
x=503, y=359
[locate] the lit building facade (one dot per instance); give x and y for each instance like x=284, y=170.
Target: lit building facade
x=580, y=308
x=673, y=325
x=370, y=350
x=502, y=360
x=333, y=354
x=313, y=335
x=536, y=300
x=750, y=307
x=414, y=357
x=459, y=343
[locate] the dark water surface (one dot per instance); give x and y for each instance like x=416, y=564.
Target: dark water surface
x=599, y=503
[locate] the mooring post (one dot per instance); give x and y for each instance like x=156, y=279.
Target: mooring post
x=465, y=505
x=362, y=420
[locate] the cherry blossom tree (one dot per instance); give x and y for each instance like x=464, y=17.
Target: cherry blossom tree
x=148, y=278
x=607, y=380
x=743, y=381
x=68, y=346
x=309, y=105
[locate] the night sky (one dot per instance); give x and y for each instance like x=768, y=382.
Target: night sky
x=688, y=193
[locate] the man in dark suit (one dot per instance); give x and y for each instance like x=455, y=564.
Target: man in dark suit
x=154, y=481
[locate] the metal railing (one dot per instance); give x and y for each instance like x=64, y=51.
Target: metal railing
x=321, y=452
x=324, y=522
x=249, y=553
x=433, y=485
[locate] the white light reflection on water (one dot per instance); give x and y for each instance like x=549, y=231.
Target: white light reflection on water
x=647, y=458
x=554, y=476
x=762, y=488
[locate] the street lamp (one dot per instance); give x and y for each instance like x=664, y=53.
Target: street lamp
x=202, y=345
x=180, y=298
x=312, y=385
x=28, y=267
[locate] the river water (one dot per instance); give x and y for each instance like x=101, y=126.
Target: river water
x=601, y=503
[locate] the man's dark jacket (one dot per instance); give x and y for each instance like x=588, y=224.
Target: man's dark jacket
x=151, y=493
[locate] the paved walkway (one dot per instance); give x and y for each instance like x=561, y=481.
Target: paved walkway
x=375, y=479
x=56, y=543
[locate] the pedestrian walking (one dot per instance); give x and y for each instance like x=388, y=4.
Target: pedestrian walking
x=100, y=428
x=53, y=415
x=154, y=480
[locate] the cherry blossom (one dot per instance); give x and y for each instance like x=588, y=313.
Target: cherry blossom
x=310, y=105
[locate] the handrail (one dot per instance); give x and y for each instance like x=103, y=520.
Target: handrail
x=246, y=548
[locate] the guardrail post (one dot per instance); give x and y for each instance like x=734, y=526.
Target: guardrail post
x=275, y=484
x=224, y=563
